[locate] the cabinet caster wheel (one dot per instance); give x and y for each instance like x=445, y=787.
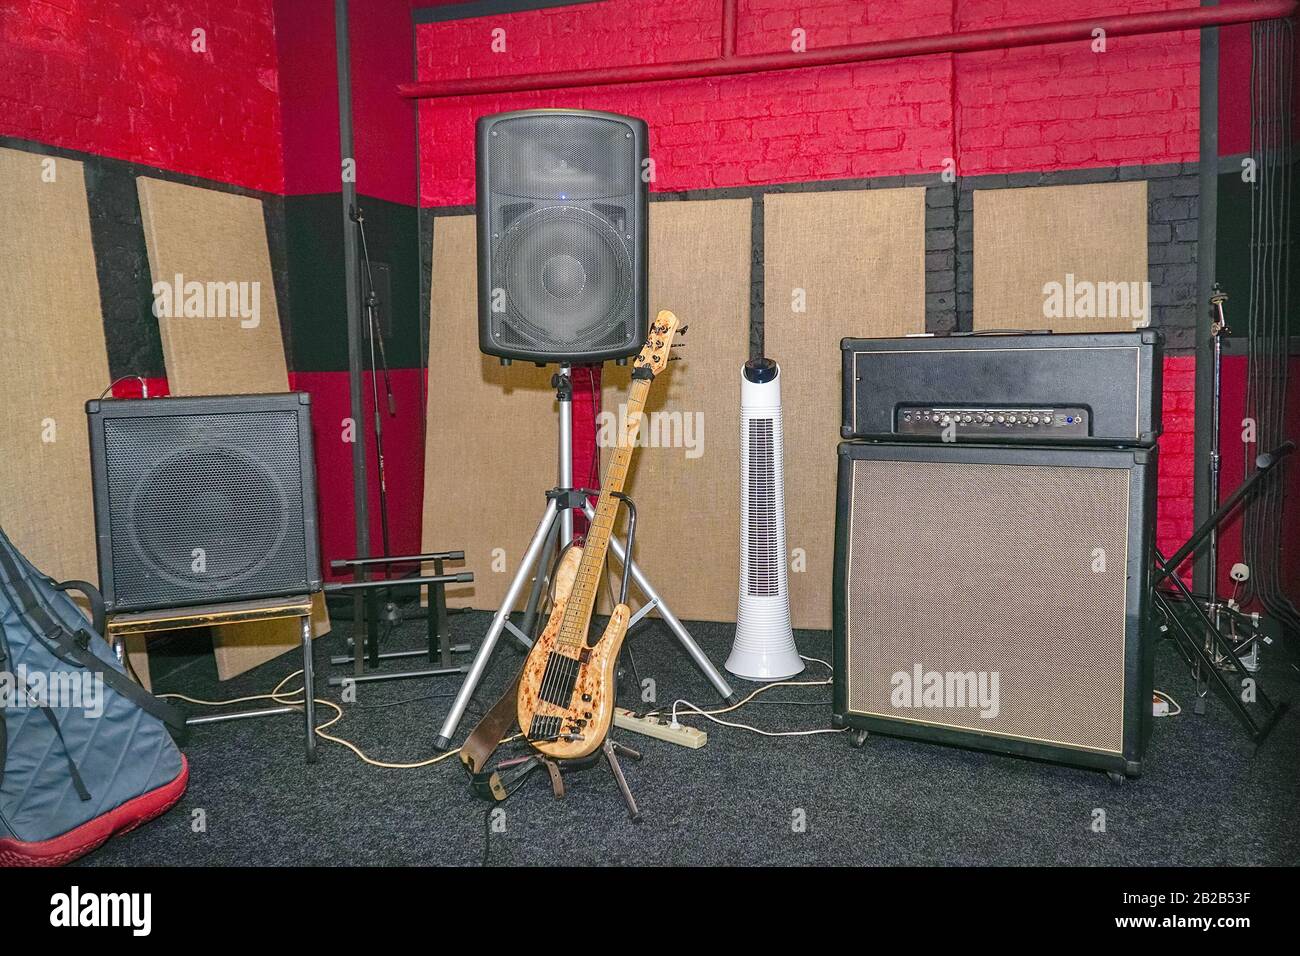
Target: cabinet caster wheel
x=857, y=738
x=1116, y=779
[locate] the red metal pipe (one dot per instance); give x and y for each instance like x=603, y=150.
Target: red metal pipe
x=973, y=41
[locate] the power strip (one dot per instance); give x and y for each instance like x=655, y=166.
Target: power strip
x=660, y=729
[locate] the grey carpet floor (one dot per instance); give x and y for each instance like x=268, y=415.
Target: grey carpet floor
x=1206, y=796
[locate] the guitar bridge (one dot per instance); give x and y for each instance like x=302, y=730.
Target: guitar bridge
x=544, y=728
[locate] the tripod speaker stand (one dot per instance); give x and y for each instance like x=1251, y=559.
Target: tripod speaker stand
x=557, y=525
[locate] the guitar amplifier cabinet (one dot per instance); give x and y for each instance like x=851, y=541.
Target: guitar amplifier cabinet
x=203, y=500
x=995, y=596
x=1090, y=388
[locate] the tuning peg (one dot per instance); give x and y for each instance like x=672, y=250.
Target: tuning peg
x=682, y=330
x=678, y=345
x=675, y=358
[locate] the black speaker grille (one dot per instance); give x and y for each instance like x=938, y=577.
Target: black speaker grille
x=563, y=157
x=205, y=508
x=567, y=280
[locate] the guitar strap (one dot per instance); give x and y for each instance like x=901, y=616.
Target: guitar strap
x=484, y=739
x=483, y=742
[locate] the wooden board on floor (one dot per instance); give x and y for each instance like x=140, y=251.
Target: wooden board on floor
x=490, y=456
x=1026, y=239
x=685, y=476
x=202, y=236
x=836, y=264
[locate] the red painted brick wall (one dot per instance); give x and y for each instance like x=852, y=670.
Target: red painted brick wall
x=120, y=79
x=1028, y=109
x=1176, y=464
x=1065, y=106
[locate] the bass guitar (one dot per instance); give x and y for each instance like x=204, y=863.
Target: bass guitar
x=565, y=702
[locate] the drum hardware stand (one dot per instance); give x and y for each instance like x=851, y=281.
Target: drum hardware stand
x=1206, y=653
x=1221, y=612
x=558, y=519
x=439, y=649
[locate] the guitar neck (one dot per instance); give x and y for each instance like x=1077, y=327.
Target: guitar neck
x=586, y=586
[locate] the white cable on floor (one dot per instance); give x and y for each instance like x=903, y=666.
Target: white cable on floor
x=282, y=697
x=710, y=714
x=1177, y=708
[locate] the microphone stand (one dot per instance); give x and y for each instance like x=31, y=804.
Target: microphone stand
x=376, y=341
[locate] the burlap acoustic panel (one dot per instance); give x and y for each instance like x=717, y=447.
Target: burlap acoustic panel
x=490, y=454
x=196, y=235
x=1060, y=246
x=52, y=360
x=685, y=476
x=836, y=264
x=202, y=235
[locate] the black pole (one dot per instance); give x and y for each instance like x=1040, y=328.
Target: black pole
x=352, y=274
x=1206, y=269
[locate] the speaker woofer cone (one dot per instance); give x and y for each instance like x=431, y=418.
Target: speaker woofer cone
x=218, y=535
x=566, y=275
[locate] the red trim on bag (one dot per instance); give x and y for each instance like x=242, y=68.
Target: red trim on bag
x=91, y=834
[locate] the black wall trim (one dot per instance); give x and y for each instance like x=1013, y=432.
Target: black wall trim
x=487, y=8
x=129, y=168
x=131, y=333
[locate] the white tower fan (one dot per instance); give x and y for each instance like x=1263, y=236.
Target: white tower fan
x=764, y=648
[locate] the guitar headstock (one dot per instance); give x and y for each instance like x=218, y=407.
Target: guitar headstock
x=659, y=340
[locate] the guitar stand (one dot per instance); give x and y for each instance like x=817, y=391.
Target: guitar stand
x=1208, y=651
x=510, y=774
x=365, y=643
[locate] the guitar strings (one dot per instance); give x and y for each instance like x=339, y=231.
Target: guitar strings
x=556, y=676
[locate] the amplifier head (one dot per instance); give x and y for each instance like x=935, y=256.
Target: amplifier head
x=1084, y=388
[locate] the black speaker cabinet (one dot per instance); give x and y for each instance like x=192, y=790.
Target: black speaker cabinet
x=996, y=597
x=562, y=235
x=203, y=500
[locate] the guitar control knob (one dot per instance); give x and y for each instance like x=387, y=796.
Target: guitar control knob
x=586, y=698
x=587, y=714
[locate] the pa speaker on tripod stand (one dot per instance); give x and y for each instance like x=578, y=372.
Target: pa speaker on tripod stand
x=561, y=236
